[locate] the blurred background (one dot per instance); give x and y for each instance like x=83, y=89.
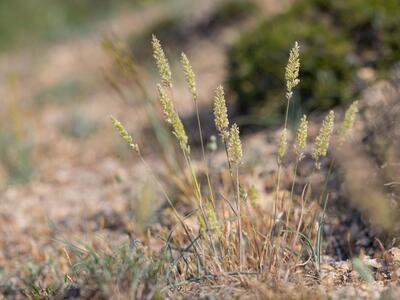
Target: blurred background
x=66, y=66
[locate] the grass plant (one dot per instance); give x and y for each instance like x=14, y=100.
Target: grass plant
x=237, y=240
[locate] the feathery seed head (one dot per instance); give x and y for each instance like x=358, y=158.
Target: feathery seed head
x=124, y=134
x=212, y=220
x=348, y=121
x=221, y=112
x=282, y=146
x=235, y=145
x=166, y=104
x=189, y=74
x=162, y=62
x=301, y=139
x=172, y=118
x=292, y=70
x=321, y=143
x=200, y=220
x=253, y=195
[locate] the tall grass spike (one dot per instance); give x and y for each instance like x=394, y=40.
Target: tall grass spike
x=321, y=143
x=235, y=145
x=162, y=63
x=172, y=118
x=348, y=121
x=282, y=146
x=124, y=134
x=189, y=75
x=301, y=139
x=292, y=70
x=221, y=112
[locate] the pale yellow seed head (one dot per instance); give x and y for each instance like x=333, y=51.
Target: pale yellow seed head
x=162, y=62
x=172, y=117
x=253, y=195
x=200, y=220
x=292, y=70
x=321, y=143
x=235, y=151
x=189, y=75
x=282, y=146
x=301, y=139
x=221, y=112
x=124, y=134
x=348, y=121
x=212, y=220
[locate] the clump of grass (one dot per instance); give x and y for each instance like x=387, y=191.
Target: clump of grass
x=98, y=271
x=234, y=238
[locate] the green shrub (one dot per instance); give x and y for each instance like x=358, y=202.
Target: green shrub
x=336, y=38
x=179, y=30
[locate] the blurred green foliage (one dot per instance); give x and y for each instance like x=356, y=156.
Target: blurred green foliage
x=78, y=125
x=337, y=37
x=63, y=92
x=24, y=21
x=177, y=29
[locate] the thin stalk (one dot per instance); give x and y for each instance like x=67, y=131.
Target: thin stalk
x=318, y=243
x=279, y=169
x=200, y=202
x=176, y=213
x=278, y=179
x=327, y=179
x=287, y=112
x=240, y=237
x=203, y=151
x=291, y=193
x=235, y=186
x=198, y=195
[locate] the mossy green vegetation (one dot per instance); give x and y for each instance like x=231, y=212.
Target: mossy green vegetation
x=336, y=38
x=22, y=22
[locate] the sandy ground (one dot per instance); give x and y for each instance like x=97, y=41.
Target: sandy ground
x=80, y=182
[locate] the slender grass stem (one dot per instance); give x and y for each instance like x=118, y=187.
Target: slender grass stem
x=200, y=203
x=279, y=171
x=176, y=213
x=292, y=192
x=235, y=187
x=330, y=169
x=203, y=152
x=240, y=237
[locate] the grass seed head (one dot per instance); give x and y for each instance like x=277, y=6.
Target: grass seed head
x=162, y=63
x=189, y=74
x=282, y=146
x=253, y=195
x=124, y=134
x=212, y=219
x=321, y=143
x=235, y=145
x=348, y=121
x=172, y=118
x=221, y=112
x=301, y=139
x=292, y=70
